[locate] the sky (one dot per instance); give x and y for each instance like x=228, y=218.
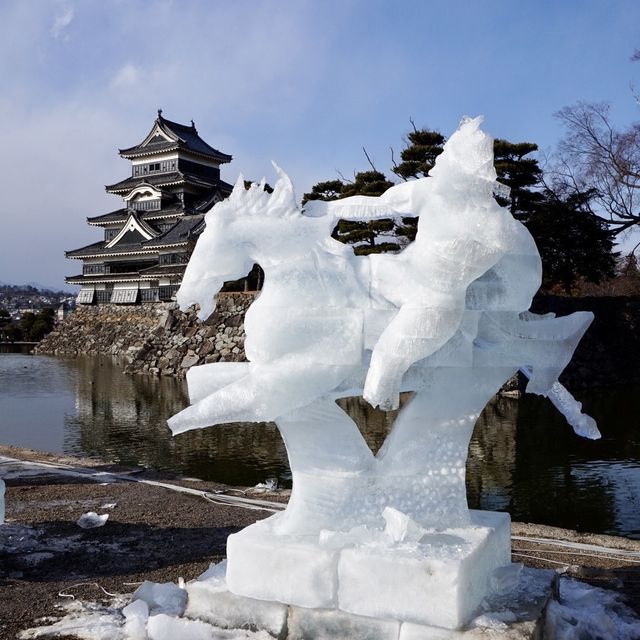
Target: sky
x=304, y=83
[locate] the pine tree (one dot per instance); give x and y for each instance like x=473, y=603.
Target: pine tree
x=374, y=236
x=422, y=147
x=522, y=175
x=418, y=157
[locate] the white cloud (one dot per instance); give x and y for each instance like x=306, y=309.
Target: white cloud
x=127, y=76
x=61, y=22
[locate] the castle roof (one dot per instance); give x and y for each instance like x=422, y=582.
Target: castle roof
x=166, y=135
x=180, y=233
x=161, y=180
x=120, y=216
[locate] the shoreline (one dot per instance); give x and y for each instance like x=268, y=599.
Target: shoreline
x=158, y=534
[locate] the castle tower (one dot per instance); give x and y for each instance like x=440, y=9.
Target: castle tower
x=175, y=179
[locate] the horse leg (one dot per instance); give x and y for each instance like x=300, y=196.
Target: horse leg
x=423, y=460
x=330, y=463
x=265, y=393
x=207, y=378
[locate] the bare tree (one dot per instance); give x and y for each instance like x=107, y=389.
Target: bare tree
x=595, y=157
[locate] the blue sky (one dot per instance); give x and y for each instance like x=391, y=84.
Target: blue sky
x=304, y=83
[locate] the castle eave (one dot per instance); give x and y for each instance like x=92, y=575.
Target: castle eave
x=169, y=245
x=100, y=279
x=164, y=270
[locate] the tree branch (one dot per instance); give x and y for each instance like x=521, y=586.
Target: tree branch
x=369, y=160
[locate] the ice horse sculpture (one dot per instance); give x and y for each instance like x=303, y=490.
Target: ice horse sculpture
x=390, y=535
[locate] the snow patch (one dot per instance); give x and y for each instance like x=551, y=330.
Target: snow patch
x=91, y=520
x=589, y=612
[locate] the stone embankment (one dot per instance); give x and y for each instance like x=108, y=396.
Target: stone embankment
x=156, y=338
x=159, y=339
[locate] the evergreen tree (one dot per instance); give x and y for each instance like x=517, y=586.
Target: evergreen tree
x=573, y=243
x=418, y=157
x=522, y=175
x=42, y=324
x=327, y=190
x=6, y=325
x=373, y=236
x=26, y=324
x=365, y=236
x=422, y=147
x=33, y=327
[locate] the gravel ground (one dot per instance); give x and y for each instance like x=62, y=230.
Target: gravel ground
x=157, y=534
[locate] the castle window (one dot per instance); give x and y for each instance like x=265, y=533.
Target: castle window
x=154, y=167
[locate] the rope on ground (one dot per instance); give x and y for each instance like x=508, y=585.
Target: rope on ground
x=522, y=555
x=62, y=594
x=216, y=498
x=578, y=553
x=254, y=505
x=580, y=546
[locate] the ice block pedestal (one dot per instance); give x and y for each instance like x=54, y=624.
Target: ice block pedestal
x=439, y=579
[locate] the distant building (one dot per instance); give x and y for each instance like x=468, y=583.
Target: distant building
x=175, y=179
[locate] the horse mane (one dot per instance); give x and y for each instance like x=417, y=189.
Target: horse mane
x=256, y=201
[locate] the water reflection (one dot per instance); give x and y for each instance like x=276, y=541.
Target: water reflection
x=523, y=458
x=124, y=418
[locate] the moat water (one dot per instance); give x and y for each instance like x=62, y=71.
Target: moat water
x=523, y=458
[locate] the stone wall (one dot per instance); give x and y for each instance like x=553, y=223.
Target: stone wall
x=156, y=338
x=159, y=339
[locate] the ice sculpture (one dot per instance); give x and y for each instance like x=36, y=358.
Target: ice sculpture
x=388, y=536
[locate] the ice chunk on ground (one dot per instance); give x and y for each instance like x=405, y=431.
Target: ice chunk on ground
x=2, y=488
x=506, y=579
x=216, y=572
x=136, y=615
x=589, y=612
x=82, y=620
x=270, y=484
x=91, y=520
x=164, y=597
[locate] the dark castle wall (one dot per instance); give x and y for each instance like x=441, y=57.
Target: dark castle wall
x=609, y=353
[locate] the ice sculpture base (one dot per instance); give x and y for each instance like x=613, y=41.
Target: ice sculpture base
x=517, y=614
x=439, y=581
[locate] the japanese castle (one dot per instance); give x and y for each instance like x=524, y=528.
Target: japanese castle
x=175, y=179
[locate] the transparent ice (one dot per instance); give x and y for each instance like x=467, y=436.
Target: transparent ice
x=446, y=318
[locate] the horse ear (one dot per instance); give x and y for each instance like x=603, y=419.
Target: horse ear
x=238, y=188
x=283, y=199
